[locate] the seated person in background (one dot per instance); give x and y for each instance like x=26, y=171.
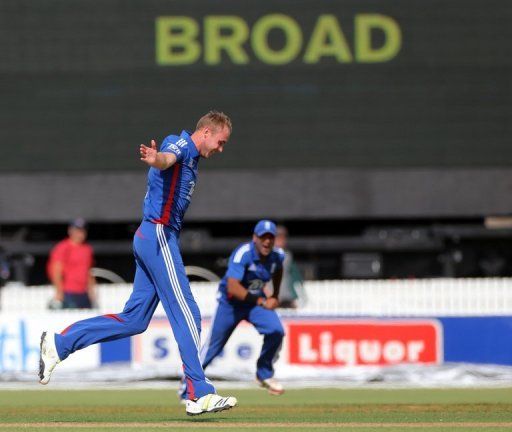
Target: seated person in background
x=292, y=283
x=69, y=269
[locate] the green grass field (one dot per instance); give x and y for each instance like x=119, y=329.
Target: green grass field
x=315, y=410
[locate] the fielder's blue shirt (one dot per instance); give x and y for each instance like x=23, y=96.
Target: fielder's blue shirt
x=169, y=191
x=245, y=266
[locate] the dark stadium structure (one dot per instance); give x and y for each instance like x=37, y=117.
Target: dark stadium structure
x=379, y=132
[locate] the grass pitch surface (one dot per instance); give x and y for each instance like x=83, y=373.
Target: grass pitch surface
x=317, y=410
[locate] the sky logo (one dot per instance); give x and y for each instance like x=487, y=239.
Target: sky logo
x=16, y=354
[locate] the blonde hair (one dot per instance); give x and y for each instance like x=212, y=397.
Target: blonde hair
x=214, y=119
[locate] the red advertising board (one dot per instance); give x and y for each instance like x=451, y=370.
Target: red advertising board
x=358, y=343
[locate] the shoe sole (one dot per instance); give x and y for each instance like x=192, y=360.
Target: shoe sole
x=41, y=362
x=269, y=389
x=214, y=410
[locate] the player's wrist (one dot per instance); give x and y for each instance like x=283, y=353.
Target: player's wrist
x=251, y=298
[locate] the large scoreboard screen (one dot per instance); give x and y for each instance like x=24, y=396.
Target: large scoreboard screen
x=308, y=83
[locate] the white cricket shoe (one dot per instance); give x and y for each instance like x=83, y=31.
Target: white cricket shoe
x=210, y=403
x=48, y=357
x=273, y=386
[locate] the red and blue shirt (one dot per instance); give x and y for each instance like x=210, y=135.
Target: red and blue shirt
x=169, y=191
x=76, y=260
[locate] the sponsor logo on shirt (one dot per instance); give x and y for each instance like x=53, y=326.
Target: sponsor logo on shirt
x=175, y=149
x=192, y=186
x=255, y=286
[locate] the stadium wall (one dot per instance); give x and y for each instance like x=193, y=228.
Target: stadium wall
x=248, y=194
x=341, y=327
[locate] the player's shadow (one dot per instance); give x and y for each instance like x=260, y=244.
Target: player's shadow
x=216, y=419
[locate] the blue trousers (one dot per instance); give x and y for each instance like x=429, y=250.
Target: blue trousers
x=225, y=320
x=159, y=276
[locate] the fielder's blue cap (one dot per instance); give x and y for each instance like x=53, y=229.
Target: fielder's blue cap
x=78, y=223
x=265, y=226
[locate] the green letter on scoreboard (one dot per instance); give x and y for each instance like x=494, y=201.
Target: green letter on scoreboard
x=176, y=40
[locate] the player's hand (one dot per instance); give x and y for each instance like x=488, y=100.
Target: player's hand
x=148, y=154
x=271, y=303
x=54, y=304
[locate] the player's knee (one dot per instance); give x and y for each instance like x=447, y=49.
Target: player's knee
x=138, y=327
x=277, y=334
x=280, y=330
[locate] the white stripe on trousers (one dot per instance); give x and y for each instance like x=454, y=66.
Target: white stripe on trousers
x=169, y=265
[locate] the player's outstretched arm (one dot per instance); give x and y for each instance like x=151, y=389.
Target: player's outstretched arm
x=154, y=158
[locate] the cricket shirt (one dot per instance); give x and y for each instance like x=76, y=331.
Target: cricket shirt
x=169, y=191
x=77, y=260
x=246, y=266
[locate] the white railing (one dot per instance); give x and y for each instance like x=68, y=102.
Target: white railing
x=422, y=297
x=111, y=298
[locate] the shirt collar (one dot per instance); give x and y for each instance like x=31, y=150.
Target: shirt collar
x=192, y=147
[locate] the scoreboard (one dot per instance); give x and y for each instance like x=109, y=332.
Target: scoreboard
x=308, y=83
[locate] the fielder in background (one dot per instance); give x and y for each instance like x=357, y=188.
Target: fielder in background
x=69, y=269
x=160, y=273
x=241, y=297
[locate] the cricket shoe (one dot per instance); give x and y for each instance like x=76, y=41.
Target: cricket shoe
x=273, y=386
x=209, y=403
x=48, y=357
